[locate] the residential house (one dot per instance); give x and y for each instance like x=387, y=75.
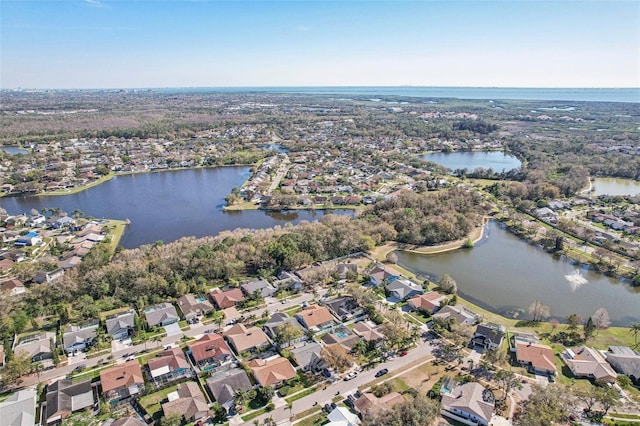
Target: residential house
x=280, y=319
x=459, y=314
x=6, y=264
x=402, y=289
x=169, y=366
x=187, y=401
x=243, y=339
x=223, y=385
x=161, y=315
x=590, y=363
x=13, y=287
x=121, y=382
x=262, y=286
x=120, y=326
x=369, y=401
x=19, y=409
x=341, y=416
x=380, y=275
x=289, y=280
x=77, y=338
x=343, y=269
x=625, y=361
x=210, y=350
x=45, y=277
x=309, y=357
x=226, y=298
x=344, y=308
x=127, y=421
x=37, y=346
x=547, y=215
x=341, y=336
x=488, y=336
x=315, y=318
x=272, y=371
x=65, y=397
x=429, y=302
x=369, y=332
x=536, y=358
x=469, y=403
x=64, y=222
x=193, y=307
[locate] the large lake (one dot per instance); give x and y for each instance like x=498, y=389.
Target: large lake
x=613, y=186
x=504, y=274
x=166, y=205
x=498, y=161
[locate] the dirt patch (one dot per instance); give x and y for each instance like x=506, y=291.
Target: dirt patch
x=424, y=377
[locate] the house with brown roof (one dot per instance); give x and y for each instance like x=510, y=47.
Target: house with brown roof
x=122, y=381
x=380, y=275
x=536, y=358
x=65, y=397
x=210, y=350
x=194, y=306
x=590, y=363
x=188, y=402
x=170, y=365
x=369, y=401
x=223, y=385
x=469, y=403
x=128, y=421
x=369, y=331
x=429, y=302
x=272, y=371
x=315, y=318
x=243, y=339
x=13, y=287
x=226, y=298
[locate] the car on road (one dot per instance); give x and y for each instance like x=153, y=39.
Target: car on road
x=80, y=367
x=350, y=376
x=403, y=353
x=130, y=358
x=382, y=372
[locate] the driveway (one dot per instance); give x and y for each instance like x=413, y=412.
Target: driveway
x=173, y=329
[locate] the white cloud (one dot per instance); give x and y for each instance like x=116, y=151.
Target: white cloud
x=95, y=3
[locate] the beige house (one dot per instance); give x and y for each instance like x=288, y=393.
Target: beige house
x=186, y=401
x=273, y=371
x=243, y=339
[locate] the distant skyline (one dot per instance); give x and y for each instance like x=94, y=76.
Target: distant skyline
x=208, y=43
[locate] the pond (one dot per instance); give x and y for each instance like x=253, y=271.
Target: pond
x=614, y=186
x=166, y=205
x=13, y=150
x=505, y=275
x=498, y=161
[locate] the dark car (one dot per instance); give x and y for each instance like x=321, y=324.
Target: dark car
x=403, y=353
x=382, y=372
x=551, y=377
x=326, y=372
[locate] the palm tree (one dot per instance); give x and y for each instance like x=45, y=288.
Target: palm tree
x=635, y=329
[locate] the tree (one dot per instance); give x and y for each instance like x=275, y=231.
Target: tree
x=608, y=397
x=538, y=311
x=589, y=328
x=17, y=367
x=172, y=420
x=418, y=411
x=507, y=380
x=573, y=320
x=545, y=406
x=264, y=394
x=337, y=357
x=601, y=319
x=448, y=284
x=635, y=329
x=286, y=333
x=219, y=413
x=240, y=397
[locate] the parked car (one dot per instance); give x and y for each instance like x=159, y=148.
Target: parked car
x=350, y=376
x=551, y=377
x=403, y=353
x=80, y=367
x=326, y=372
x=382, y=372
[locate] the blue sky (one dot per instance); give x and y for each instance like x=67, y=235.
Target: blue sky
x=208, y=43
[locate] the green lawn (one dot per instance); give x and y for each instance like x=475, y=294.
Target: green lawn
x=152, y=402
x=301, y=394
x=107, y=314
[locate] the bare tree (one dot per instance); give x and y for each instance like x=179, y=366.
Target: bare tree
x=538, y=311
x=601, y=319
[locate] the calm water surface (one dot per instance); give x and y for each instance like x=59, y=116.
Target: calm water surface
x=166, y=205
x=496, y=160
x=504, y=274
x=613, y=186
x=13, y=150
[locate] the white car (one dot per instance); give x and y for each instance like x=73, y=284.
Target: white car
x=350, y=376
